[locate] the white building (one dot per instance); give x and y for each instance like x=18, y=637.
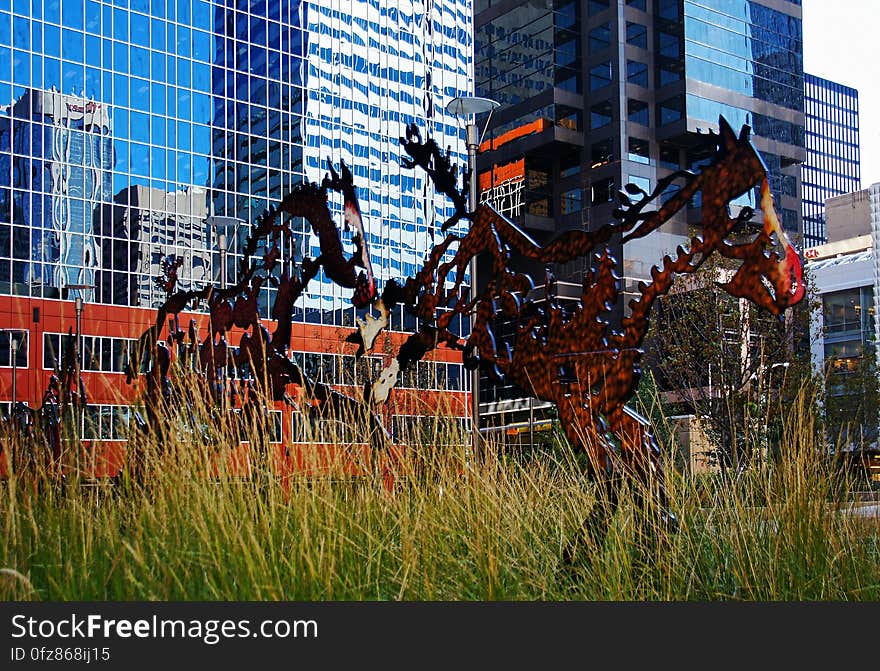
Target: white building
x=846, y=277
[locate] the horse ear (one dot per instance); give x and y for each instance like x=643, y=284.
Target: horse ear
x=726, y=137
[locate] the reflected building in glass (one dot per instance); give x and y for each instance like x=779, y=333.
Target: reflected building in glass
x=139, y=129
x=58, y=152
x=833, y=165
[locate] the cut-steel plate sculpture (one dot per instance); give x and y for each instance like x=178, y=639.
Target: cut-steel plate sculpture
x=568, y=355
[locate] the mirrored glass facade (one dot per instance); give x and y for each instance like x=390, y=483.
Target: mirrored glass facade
x=136, y=129
x=744, y=59
x=833, y=165
x=653, y=76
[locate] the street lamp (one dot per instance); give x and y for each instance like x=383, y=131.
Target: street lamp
x=78, y=308
x=467, y=108
x=224, y=226
x=14, y=375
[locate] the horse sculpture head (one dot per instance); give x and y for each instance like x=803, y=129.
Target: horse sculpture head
x=771, y=274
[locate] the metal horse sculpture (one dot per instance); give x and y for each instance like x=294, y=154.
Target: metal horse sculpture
x=569, y=356
x=267, y=355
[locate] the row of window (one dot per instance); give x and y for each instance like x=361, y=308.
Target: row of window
x=344, y=369
x=111, y=355
x=113, y=422
x=99, y=354
x=848, y=311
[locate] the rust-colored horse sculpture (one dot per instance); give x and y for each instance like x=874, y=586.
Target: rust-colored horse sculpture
x=571, y=357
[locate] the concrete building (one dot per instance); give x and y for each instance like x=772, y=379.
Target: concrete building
x=847, y=216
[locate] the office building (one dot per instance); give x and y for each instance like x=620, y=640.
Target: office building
x=833, y=165
x=137, y=130
x=603, y=93
x=845, y=327
x=56, y=158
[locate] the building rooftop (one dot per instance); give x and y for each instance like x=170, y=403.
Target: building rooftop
x=843, y=259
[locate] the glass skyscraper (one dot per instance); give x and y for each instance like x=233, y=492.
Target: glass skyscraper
x=833, y=165
x=608, y=92
x=603, y=93
x=742, y=59
x=131, y=130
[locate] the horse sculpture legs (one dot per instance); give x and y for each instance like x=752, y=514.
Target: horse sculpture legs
x=636, y=464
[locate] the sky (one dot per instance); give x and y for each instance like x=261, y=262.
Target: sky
x=841, y=43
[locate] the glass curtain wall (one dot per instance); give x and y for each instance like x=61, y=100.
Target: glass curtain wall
x=128, y=127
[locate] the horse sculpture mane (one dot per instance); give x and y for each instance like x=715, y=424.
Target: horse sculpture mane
x=571, y=357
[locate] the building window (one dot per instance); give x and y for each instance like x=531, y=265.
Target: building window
x=636, y=35
x=571, y=201
x=99, y=354
x=603, y=191
x=668, y=73
x=637, y=73
x=16, y=341
x=639, y=151
x=844, y=311
x=669, y=45
x=566, y=53
x=601, y=153
x=844, y=357
x=600, y=114
x=596, y=6
x=670, y=111
x=106, y=422
x=600, y=38
x=600, y=75
x=642, y=182
x=637, y=111
x=668, y=9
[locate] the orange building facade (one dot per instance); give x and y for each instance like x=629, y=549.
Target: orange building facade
x=108, y=333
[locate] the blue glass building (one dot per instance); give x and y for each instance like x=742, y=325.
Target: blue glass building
x=742, y=59
x=235, y=100
x=833, y=165
x=131, y=130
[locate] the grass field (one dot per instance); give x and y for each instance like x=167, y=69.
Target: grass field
x=452, y=528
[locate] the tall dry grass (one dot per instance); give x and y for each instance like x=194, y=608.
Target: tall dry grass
x=456, y=525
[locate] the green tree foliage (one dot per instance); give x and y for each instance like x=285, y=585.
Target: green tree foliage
x=852, y=400
x=728, y=362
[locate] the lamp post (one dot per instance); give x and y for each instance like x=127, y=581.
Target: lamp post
x=78, y=306
x=14, y=375
x=221, y=244
x=225, y=227
x=13, y=418
x=468, y=107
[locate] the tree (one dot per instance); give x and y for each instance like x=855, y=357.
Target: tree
x=730, y=363
x=852, y=399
